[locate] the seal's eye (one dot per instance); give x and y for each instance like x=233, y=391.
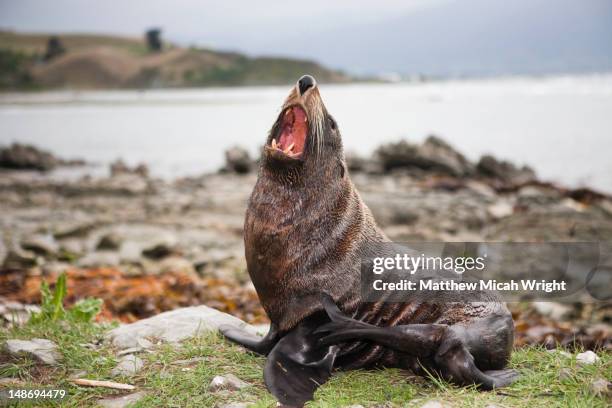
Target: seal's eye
x=332, y=123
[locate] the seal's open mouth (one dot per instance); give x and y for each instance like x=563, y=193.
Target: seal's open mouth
x=293, y=129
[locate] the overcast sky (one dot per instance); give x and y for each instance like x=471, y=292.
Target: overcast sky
x=235, y=24
x=432, y=37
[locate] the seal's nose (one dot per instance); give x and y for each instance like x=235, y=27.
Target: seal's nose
x=305, y=83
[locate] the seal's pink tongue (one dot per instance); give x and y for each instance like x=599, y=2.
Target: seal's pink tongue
x=294, y=130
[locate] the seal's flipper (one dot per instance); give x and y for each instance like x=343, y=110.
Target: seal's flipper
x=297, y=366
x=455, y=363
x=260, y=345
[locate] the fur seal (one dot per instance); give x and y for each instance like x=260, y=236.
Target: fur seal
x=306, y=231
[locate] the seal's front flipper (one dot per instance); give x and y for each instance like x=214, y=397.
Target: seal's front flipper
x=297, y=366
x=260, y=345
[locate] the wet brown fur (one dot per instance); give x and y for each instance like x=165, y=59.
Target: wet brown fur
x=306, y=231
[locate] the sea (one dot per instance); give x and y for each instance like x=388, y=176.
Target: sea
x=561, y=126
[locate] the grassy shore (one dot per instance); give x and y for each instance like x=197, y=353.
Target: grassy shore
x=178, y=376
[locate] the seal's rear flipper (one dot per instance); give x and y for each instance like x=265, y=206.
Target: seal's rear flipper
x=297, y=366
x=260, y=345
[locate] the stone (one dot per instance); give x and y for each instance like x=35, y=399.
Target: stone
x=174, y=326
x=500, y=209
x=435, y=404
x=123, y=401
x=238, y=160
x=489, y=166
x=433, y=155
x=42, y=350
x=128, y=366
x=26, y=157
x=99, y=258
x=18, y=258
x=44, y=245
x=227, y=382
x=565, y=374
x=119, y=168
x=554, y=310
x=110, y=241
x=601, y=387
x=560, y=352
x=588, y=357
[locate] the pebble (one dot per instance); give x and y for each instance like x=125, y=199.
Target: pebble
x=226, y=382
x=41, y=349
x=565, y=374
x=233, y=405
x=601, y=387
x=435, y=404
x=123, y=401
x=128, y=366
x=588, y=357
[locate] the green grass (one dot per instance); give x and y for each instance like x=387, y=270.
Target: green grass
x=172, y=384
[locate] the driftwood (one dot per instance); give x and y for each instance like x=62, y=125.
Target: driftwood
x=105, y=384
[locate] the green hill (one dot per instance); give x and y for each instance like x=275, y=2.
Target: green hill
x=104, y=62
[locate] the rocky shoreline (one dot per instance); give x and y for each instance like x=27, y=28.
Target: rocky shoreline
x=146, y=245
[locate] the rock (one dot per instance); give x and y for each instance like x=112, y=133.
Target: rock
x=99, y=258
x=27, y=157
x=560, y=352
x=18, y=258
x=227, y=382
x=500, y=209
x=435, y=404
x=565, y=374
x=601, y=387
x=158, y=251
x=118, y=168
x=109, y=242
x=44, y=245
x=357, y=163
x=588, y=357
x=238, y=160
x=489, y=166
x=433, y=155
x=41, y=349
x=128, y=366
x=123, y=401
x=16, y=313
x=537, y=195
x=175, y=326
x=556, y=311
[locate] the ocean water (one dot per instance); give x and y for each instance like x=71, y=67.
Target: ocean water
x=561, y=126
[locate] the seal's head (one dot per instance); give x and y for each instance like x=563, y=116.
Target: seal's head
x=304, y=135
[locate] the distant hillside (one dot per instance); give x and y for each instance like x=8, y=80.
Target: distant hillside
x=102, y=62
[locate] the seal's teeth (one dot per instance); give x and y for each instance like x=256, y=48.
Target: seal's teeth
x=288, y=149
x=274, y=143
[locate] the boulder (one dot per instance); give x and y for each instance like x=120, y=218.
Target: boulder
x=27, y=157
x=489, y=166
x=175, y=326
x=433, y=155
x=119, y=167
x=44, y=245
x=238, y=160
